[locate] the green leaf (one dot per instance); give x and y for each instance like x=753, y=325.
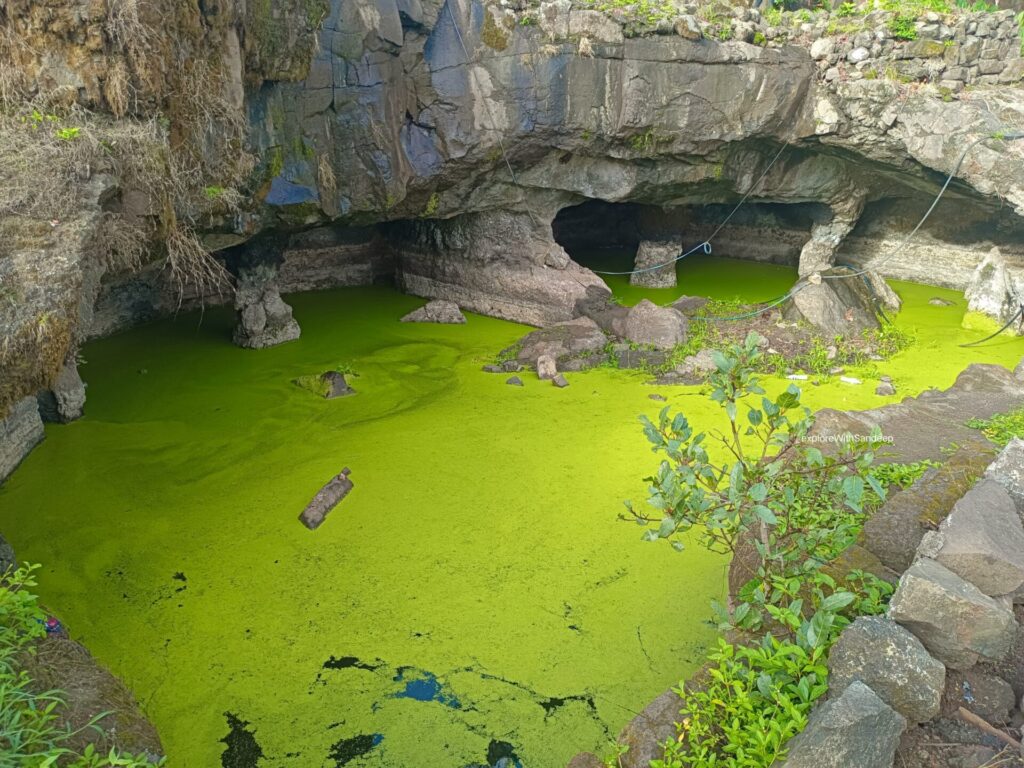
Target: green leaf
x=758, y=492
x=766, y=515
x=837, y=601
x=667, y=528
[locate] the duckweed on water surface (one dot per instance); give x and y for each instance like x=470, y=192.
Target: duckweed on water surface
x=473, y=598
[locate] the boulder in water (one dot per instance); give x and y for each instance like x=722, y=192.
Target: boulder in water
x=437, y=311
x=992, y=291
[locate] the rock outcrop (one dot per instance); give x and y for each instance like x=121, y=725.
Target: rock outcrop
x=20, y=432
x=264, y=320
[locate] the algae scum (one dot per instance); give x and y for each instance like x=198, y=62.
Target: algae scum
x=473, y=602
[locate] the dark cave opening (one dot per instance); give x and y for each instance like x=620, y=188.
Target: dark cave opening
x=602, y=235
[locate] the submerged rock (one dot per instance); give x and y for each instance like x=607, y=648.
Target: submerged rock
x=885, y=389
x=326, y=499
x=437, y=311
x=560, y=381
x=328, y=385
x=935, y=301
x=515, y=381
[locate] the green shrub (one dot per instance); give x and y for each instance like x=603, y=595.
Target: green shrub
x=901, y=475
x=902, y=27
x=31, y=729
x=1002, y=427
x=798, y=510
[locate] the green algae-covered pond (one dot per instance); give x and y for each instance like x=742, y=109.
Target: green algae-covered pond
x=473, y=598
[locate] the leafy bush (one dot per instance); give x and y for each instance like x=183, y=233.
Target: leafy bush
x=901, y=475
x=1002, y=427
x=777, y=496
x=902, y=27
x=31, y=730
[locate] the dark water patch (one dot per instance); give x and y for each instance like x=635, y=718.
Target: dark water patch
x=351, y=662
x=424, y=686
x=347, y=750
x=243, y=751
x=501, y=754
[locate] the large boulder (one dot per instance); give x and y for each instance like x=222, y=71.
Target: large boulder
x=579, y=339
x=655, y=262
x=264, y=320
x=856, y=728
x=20, y=432
x=887, y=658
x=64, y=401
x=437, y=311
x=992, y=291
x=1008, y=471
x=837, y=307
x=956, y=621
x=982, y=540
x=894, y=532
x=661, y=327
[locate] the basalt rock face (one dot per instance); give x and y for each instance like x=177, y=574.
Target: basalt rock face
x=452, y=133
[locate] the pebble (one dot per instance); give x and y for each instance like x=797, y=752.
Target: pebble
x=849, y=380
x=661, y=398
x=515, y=381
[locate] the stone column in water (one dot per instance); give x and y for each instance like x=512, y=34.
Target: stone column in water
x=832, y=303
x=264, y=320
x=655, y=262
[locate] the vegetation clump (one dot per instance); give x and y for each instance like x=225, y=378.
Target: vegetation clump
x=32, y=730
x=1001, y=428
x=782, y=503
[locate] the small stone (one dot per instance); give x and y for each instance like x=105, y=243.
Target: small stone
x=493, y=369
x=849, y=380
x=546, y=367
x=858, y=55
x=987, y=696
x=885, y=389
x=515, y=381
x=560, y=381
x=660, y=398
x=838, y=371
x=798, y=376
x=688, y=28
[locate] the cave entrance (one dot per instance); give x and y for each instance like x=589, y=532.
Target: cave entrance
x=606, y=236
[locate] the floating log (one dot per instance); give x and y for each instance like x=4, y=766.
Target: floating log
x=326, y=499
